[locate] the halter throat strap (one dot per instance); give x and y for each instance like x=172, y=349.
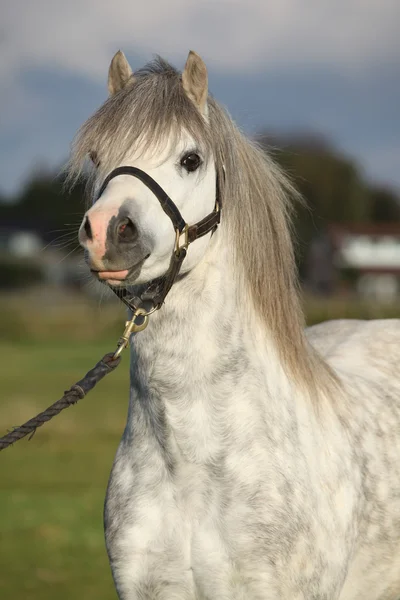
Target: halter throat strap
x=155, y=293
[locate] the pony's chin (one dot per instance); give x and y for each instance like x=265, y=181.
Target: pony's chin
x=115, y=283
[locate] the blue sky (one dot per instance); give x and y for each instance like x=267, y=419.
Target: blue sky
x=331, y=67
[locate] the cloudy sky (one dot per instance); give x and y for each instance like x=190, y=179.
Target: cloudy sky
x=327, y=66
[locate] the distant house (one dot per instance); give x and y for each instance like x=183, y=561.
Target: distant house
x=359, y=258
x=20, y=243
x=23, y=237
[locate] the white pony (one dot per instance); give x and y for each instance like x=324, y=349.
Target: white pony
x=259, y=461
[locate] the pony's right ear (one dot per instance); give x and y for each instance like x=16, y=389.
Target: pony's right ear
x=119, y=74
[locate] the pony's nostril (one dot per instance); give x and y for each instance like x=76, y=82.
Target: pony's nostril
x=88, y=229
x=127, y=231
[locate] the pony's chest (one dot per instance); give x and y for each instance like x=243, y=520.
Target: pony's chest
x=174, y=537
x=195, y=537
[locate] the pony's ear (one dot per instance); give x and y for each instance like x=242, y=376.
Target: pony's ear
x=119, y=73
x=195, y=80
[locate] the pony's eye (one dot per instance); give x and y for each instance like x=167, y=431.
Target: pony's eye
x=191, y=162
x=94, y=158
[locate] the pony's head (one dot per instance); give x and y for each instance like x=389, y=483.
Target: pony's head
x=156, y=121
x=166, y=124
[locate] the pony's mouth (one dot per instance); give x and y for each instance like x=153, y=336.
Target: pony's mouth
x=113, y=277
x=119, y=277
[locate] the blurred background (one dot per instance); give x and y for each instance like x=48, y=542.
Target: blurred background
x=316, y=82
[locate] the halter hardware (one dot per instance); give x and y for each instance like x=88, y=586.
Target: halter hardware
x=178, y=234
x=132, y=327
x=157, y=290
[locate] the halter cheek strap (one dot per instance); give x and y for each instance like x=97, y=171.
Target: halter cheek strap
x=156, y=292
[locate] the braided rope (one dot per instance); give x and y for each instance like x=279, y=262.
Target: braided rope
x=78, y=391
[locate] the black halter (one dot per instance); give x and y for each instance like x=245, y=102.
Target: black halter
x=157, y=290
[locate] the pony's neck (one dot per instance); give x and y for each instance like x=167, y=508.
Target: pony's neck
x=204, y=360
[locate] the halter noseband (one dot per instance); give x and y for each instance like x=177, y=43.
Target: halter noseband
x=157, y=290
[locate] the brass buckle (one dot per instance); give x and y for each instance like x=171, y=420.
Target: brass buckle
x=132, y=327
x=178, y=234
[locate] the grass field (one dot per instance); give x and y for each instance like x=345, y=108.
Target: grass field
x=52, y=488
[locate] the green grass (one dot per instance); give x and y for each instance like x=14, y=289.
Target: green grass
x=52, y=488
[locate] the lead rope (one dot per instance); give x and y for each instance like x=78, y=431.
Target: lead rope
x=106, y=365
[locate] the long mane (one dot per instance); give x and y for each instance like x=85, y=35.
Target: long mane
x=257, y=197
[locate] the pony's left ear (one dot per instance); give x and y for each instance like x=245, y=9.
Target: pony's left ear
x=119, y=73
x=195, y=80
